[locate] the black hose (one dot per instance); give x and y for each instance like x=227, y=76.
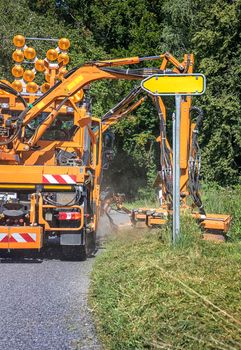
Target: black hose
x=135, y=73
x=14, y=92
x=165, y=156
x=74, y=201
x=57, y=109
x=120, y=105
x=195, y=162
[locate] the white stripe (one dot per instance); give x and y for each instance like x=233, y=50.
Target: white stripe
x=2, y=236
x=50, y=179
x=18, y=237
x=68, y=179
x=33, y=236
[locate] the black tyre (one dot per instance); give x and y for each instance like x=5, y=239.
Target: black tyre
x=74, y=252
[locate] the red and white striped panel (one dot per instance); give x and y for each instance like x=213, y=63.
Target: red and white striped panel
x=18, y=237
x=3, y=238
x=59, y=179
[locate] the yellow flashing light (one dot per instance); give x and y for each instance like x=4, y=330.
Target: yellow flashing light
x=64, y=44
x=17, y=71
x=30, y=53
x=52, y=55
x=63, y=57
x=39, y=65
x=17, y=85
x=45, y=87
x=28, y=75
x=19, y=41
x=32, y=87
x=18, y=56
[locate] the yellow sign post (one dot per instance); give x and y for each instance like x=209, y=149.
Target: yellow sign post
x=175, y=84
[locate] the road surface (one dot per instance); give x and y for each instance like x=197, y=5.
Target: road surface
x=43, y=305
x=43, y=302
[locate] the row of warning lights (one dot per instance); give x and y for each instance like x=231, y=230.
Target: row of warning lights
x=30, y=54
x=32, y=88
x=28, y=76
x=19, y=41
x=23, y=51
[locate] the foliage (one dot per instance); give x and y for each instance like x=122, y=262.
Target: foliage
x=217, y=46
x=108, y=28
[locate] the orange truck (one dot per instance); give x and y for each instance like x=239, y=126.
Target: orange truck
x=51, y=147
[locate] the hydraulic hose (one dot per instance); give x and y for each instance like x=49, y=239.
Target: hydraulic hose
x=139, y=72
x=195, y=162
x=135, y=92
x=9, y=89
x=165, y=156
x=74, y=201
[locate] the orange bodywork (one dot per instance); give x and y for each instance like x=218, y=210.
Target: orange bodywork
x=26, y=237
x=214, y=222
x=29, y=159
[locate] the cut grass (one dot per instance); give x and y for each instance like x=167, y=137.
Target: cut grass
x=147, y=294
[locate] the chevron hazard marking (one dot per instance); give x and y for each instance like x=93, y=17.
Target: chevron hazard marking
x=3, y=237
x=23, y=237
x=59, y=179
x=18, y=237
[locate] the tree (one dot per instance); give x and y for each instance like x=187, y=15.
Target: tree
x=99, y=29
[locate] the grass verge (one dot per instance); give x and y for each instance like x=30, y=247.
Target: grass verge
x=146, y=294
x=216, y=200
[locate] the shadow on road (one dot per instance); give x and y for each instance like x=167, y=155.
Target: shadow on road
x=30, y=257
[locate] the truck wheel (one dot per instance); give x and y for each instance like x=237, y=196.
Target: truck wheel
x=74, y=252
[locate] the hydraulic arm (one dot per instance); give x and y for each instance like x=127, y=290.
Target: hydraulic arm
x=51, y=150
x=51, y=154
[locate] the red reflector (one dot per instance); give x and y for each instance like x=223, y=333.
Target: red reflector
x=63, y=215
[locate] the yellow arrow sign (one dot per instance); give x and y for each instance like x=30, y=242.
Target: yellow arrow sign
x=175, y=84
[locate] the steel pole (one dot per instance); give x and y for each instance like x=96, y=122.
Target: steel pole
x=173, y=176
x=176, y=171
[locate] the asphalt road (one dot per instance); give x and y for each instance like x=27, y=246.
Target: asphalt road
x=43, y=305
x=43, y=301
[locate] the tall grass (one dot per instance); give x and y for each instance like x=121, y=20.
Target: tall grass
x=216, y=200
x=221, y=200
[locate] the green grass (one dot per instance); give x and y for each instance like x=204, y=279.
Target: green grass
x=147, y=294
x=224, y=201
